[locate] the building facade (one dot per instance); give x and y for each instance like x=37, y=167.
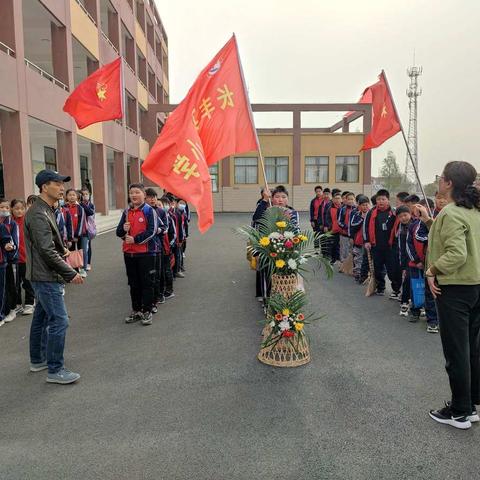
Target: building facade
x=47, y=47
x=299, y=158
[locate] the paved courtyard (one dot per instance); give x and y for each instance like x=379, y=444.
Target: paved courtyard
x=186, y=398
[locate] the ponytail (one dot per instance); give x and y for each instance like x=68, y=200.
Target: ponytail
x=463, y=175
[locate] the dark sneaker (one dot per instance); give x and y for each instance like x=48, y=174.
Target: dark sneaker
x=423, y=314
x=63, y=377
x=446, y=417
x=414, y=318
x=161, y=300
x=394, y=296
x=38, y=367
x=404, y=310
x=381, y=293
x=133, y=317
x=169, y=295
x=154, y=309
x=433, y=329
x=147, y=318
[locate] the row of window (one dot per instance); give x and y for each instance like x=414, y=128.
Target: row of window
x=276, y=168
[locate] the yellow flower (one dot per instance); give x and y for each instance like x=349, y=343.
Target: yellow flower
x=280, y=263
x=281, y=224
x=286, y=312
x=303, y=238
x=264, y=242
x=298, y=326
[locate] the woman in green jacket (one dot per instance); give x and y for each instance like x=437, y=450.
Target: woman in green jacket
x=453, y=276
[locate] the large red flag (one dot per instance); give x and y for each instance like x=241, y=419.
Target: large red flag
x=98, y=98
x=212, y=122
x=385, y=122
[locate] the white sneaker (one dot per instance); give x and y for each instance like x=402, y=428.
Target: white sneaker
x=19, y=309
x=89, y=267
x=10, y=317
x=28, y=310
x=2, y=323
x=82, y=273
x=404, y=310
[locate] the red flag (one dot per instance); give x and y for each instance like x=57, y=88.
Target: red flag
x=98, y=98
x=212, y=122
x=385, y=122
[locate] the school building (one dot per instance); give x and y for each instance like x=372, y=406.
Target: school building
x=299, y=158
x=47, y=47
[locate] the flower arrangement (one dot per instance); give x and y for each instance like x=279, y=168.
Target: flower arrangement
x=286, y=320
x=282, y=248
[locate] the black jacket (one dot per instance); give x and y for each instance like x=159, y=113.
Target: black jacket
x=44, y=246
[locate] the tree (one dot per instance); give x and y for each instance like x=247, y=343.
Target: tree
x=390, y=172
x=430, y=189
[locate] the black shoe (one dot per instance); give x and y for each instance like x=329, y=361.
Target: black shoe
x=133, y=317
x=154, y=309
x=380, y=293
x=445, y=416
x=414, y=318
x=161, y=300
x=147, y=318
x=169, y=295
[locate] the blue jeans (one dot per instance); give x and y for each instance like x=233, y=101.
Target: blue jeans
x=49, y=325
x=83, y=243
x=3, y=270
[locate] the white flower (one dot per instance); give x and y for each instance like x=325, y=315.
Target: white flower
x=284, y=325
x=288, y=234
x=272, y=324
x=292, y=264
x=302, y=260
x=274, y=235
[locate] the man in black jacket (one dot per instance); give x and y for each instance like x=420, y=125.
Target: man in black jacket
x=48, y=272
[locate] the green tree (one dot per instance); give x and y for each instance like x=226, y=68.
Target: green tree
x=392, y=177
x=430, y=189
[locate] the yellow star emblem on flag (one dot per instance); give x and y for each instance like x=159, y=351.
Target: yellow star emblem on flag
x=384, y=111
x=101, y=91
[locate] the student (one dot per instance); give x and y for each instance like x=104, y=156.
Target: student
x=30, y=200
x=7, y=250
x=188, y=217
x=89, y=208
x=355, y=231
x=183, y=214
x=315, y=205
x=400, y=199
x=162, y=225
x=280, y=199
x=344, y=215
x=440, y=203
x=407, y=270
x=138, y=228
x=327, y=201
x=166, y=279
x=377, y=229
x=79, y=227
x=19, y=208
x=64, y=222
x=177, y=217
x=10, y=301
x=411, y=201
x=332, y=227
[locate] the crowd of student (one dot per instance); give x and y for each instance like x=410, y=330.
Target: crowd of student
x=154, y=232
x=75, y=218
x=392, y=238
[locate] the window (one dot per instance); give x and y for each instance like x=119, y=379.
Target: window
x=316, y=169
x=50, y=156
x=214, y=177
x=246, y=170
x=84, y=170
x=347, y=169
x=276, y=169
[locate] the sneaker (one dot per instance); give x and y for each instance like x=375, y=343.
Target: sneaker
x=154, y=309
x=404, y=310
x=28, y=310
x=446, y=417
x=182, y=269
x=63, y=377
x=147, y=318
x=259, y=299
x=2, y=323
x=381, y=293
x=394, y=296
x=133, y=317
x=161, y=300
x=180, y=275
x=473, y=417
x=19, y=309
x=10, y=317
x=89, y=267
x=423, y=314
x=432, y=329
x=169, y=295
x=38, y=367
x=82, y=273
x=414, y=318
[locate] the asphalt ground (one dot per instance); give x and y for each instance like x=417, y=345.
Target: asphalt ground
x=186, y=398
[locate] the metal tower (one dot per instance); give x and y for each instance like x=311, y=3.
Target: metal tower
x=412, y=93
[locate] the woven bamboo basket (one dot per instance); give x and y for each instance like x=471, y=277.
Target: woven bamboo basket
x=284, y=284
x=283, y=354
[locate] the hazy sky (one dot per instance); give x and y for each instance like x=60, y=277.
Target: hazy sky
x=328, y=51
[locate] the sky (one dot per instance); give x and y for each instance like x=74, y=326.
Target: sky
x=319, y=51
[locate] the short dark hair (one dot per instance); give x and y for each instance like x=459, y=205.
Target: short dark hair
x=346, y=192
x=318, y=187
x=431, y=203
x=165, y=199
x=3, y=200
x=402, y=209
x=373, y=199
x=335, y=191
x=326, y=190
x=31, y=199
x=140, y=186
x=17, y=200
x=402, y=196
x=413, y=198
x=383, y=193
x=150, y=192
x=362, y=199
x=280, y=189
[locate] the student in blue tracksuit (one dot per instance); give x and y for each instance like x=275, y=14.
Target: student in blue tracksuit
x=7, y=253
x=89, y=208
x=168, y=242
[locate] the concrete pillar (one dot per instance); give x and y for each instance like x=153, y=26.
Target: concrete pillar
x=120, y=180
x=59, y=53
x=7, y=26
x=226, y=172
x=65, y=157
x=114, y=29
x=367, y=154
x=17, y=165
x=297, y=147
x=134, y=170
x=99, y=178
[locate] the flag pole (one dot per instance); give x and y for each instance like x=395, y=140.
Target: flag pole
x=415, y=169
x=250, y=112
